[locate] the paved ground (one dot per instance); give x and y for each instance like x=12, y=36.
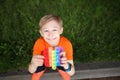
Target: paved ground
x=106, y=78
x=83, y=71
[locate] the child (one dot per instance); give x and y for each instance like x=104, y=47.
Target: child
x=51, y=28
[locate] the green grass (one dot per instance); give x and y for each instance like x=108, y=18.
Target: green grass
x=91, y=25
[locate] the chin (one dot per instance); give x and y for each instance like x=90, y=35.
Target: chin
x=53, y=45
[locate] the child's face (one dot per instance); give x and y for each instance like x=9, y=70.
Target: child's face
x=51, y=32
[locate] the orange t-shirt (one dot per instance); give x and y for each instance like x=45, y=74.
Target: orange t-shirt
x=41, y=44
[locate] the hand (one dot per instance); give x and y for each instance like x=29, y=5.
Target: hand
x=37, y=60
x=63, y=60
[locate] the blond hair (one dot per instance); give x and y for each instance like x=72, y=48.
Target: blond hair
x=45, y=19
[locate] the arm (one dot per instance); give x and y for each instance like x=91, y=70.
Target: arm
x=32, y=68
x=72, y=71
x=37, y=60
x=65, y=64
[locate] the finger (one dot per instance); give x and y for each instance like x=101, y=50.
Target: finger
x=39, y=56
x=62, y=54
x=36, y=59
x=39, y=61
x=64, y=58
x=63, y=62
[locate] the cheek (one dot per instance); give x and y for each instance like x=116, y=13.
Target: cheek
x=57, y=34
x=44, y=34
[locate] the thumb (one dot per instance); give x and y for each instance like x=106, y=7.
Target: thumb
x=63, y=54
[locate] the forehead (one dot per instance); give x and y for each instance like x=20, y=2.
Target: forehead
x=51, y=24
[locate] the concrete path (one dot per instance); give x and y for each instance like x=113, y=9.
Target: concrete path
x=83, y=71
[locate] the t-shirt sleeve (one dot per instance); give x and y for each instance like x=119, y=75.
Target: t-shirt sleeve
x=69, y=50
x=37, y=48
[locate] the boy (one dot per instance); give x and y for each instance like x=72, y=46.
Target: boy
x=51, y=28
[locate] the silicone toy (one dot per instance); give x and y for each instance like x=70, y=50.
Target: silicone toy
x=52, y=57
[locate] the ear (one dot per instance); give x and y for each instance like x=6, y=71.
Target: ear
x=40, y=33
x=61, y=30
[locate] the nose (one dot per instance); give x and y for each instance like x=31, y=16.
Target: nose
x=50, y=34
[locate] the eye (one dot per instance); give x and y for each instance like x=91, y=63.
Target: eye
x=54, y=29
x=45, y=30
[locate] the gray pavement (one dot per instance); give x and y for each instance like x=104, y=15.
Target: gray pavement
x=83, y=71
